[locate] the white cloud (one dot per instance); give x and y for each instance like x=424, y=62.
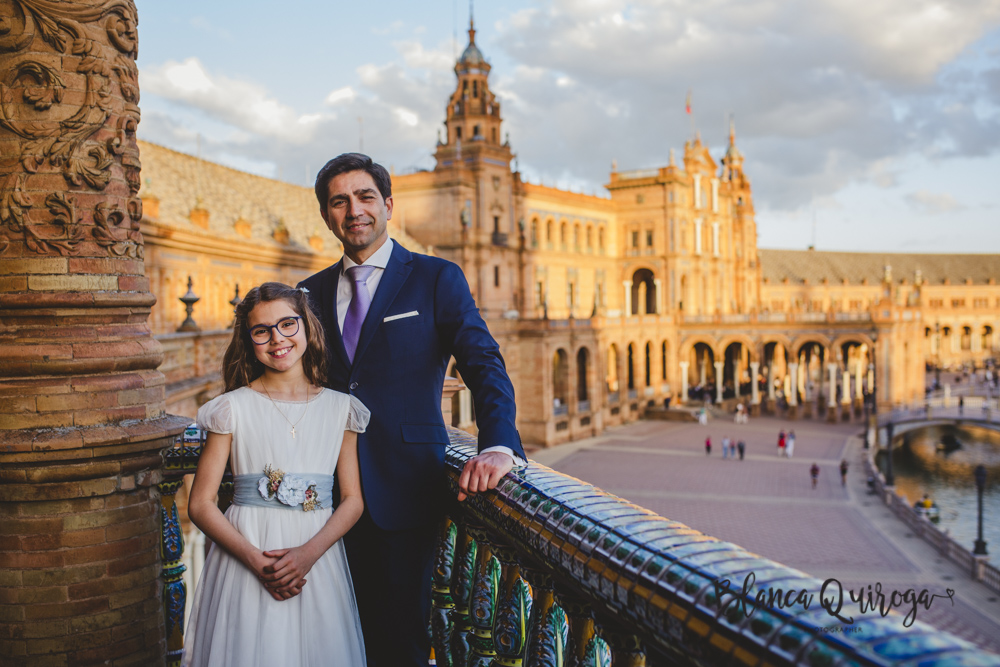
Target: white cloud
x=933, y=203
x=345, y=94
x=242, y=104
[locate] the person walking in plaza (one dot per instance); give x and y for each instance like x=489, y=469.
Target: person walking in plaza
x=742, y=447
x=814, y=474
x=843, y=472
x=285, y=438
x=781, y=442
x=725, y=448
x=708, y=446
x=790, y=444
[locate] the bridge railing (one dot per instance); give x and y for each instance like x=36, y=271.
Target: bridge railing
x=971, y=408
x=551, y=571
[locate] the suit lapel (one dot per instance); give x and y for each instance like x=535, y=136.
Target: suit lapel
x=396, y=273
x=333, y=333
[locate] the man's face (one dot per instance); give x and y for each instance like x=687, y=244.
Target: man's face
x=357, y=214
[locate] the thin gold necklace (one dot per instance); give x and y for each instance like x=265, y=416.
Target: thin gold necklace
x=310, y=400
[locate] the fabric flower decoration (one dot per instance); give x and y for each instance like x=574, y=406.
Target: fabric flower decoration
x=292, y=490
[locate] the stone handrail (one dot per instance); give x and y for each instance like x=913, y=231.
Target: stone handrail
x=548, y=570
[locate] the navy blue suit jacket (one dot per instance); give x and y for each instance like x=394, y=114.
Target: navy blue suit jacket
x=398, y=373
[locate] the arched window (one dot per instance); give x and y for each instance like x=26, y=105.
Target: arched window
x=534, y=232
x=548, y=232
x=643, y=293
x=600, y=240
x=987, y=337
x=966, y=338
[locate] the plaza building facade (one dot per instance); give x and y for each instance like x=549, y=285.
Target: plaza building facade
x=604, y=306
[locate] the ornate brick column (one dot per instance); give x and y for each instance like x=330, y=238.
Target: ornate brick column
x=81, y=402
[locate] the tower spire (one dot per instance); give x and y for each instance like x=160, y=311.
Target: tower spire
x=472, y=22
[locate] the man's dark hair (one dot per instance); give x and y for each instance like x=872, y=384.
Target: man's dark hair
x=346, y=162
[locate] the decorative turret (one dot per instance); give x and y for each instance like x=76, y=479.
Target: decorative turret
x=732, y=162
x=473, y=113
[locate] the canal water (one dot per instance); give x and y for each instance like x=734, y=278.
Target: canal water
x=940, y=460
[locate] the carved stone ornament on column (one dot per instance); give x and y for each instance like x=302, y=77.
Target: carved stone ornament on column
x=82, y=418
x=69, y=98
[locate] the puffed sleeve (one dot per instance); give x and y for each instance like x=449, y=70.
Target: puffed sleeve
x=216, y=415
x=357, y=416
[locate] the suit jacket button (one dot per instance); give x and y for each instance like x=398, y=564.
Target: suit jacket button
x=354, y=385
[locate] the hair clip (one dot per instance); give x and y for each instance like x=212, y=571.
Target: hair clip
x=303, y=290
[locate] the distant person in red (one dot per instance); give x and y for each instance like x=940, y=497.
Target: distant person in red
x=814, y=473
x=708, y=446
x=781, y=443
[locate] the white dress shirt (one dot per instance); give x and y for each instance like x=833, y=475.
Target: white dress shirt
x=380, y=259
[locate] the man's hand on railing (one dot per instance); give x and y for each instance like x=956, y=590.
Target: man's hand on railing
x=483, y=472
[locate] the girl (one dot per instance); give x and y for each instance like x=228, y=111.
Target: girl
x=275, y=588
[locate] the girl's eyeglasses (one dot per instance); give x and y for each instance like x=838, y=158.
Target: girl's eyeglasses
x=262, y=333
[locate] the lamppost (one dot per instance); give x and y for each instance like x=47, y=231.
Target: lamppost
x=937, y=356
x=980, y=474
x=867, y=423
x=872, y=393
x=890, y=478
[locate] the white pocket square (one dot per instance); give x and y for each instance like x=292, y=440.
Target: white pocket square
x=412, y=313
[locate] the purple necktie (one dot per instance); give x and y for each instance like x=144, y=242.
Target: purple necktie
x=360, y=302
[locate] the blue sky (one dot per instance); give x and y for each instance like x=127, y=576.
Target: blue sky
x=865, y=125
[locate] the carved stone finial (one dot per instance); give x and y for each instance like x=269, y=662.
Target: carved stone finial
x=189, y=299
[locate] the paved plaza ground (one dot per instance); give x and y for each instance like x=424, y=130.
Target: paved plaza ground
x=767, y=505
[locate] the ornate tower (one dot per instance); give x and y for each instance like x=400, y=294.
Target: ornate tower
x=737, y=186
x=472, y=118
x=481, y=232
x=82, y=420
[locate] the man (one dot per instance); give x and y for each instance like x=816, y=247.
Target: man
x=393, y=320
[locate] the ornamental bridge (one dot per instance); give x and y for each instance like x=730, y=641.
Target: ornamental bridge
x=981, y=411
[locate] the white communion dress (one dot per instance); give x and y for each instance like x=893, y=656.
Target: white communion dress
x=234, y=620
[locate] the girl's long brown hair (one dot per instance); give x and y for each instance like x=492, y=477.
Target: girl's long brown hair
x=240, y=366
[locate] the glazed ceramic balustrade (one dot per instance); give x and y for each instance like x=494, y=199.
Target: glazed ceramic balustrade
x=551, y=571
x=548, y=571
